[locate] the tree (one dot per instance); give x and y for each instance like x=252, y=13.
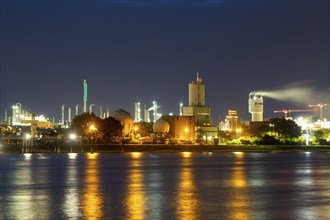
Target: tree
x=279, y=130
x=93, y=128
x=321, y=136
x=81, y=123
x=111, y=128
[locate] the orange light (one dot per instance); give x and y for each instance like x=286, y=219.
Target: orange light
x=186, y=154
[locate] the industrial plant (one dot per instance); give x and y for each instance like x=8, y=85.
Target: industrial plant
x=192, y=124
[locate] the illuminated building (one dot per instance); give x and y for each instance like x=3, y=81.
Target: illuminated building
x=137, y=110
x=256, y=106
x=232, y=120
x=202, y=114
x=17, y=112
x=22, y=117
x=197, y=106
x=181, y=127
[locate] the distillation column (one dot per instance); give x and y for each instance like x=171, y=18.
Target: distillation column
x=85, y=96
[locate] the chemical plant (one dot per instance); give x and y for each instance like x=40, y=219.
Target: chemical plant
x=192, y=124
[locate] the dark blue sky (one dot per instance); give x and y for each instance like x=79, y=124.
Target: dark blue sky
x=141, y=51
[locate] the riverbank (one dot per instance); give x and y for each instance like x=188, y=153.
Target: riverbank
x=158, y=148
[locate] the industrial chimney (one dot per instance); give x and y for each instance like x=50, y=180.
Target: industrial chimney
x=256, y=106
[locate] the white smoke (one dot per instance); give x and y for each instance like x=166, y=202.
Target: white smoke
x=298, y=92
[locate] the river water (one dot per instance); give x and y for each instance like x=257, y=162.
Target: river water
x=165, y=186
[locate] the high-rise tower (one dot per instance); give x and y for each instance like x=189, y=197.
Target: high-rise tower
x=137, y=110
x=205, y=131
x=196, y=105
x=85, y=96
x=197, y=93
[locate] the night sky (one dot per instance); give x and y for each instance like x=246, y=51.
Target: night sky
x=150, y=50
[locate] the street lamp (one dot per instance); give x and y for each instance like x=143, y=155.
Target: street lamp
x=72, y=137
x=92, y=128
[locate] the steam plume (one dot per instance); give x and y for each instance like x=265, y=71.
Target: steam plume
x=298, y=92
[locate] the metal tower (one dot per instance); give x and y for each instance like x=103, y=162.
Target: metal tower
x=85, y=96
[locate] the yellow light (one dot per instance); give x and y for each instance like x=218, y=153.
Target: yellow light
x=92, y=127
x=136, y=155
x=238, y=153
x=186, y=154
x=92, y=155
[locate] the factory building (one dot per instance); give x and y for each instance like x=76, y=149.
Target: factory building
x=196, y=105
x=204, y=128
x=232, y=120
x=137, y=111
x=181, y=128
x=22, y=117
x=256, y=106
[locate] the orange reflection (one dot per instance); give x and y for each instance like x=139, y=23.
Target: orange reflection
x=135, y=199
x=92, y=200
x=136, y=155
x=186, y=154
x=187, y=199
x=239, y=197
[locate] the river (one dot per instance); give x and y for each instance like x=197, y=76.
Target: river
x=165, y=186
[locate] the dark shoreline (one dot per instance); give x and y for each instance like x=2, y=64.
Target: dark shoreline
x=158, y=148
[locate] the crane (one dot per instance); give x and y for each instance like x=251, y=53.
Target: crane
x=321, y=106
x=288, y=111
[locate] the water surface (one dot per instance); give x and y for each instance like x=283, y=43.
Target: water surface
x=165, y=186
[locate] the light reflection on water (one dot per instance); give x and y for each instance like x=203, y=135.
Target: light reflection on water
x=187, y=197
x=92, y=199
x=135, y=201
x=165, y=186
x=28, y=201
x=240, y=201
x=71, y=200
x=21, y=197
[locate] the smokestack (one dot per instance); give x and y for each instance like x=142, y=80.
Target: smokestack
x=77, y=110
x=146, y=114
x=62, y=114
x=181, y=108
x=85, y=96
x=108, y=112
x=69, y=114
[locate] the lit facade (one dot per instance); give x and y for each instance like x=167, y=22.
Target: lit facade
x=204, y=130
x=182, y=128
x=232, y=120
